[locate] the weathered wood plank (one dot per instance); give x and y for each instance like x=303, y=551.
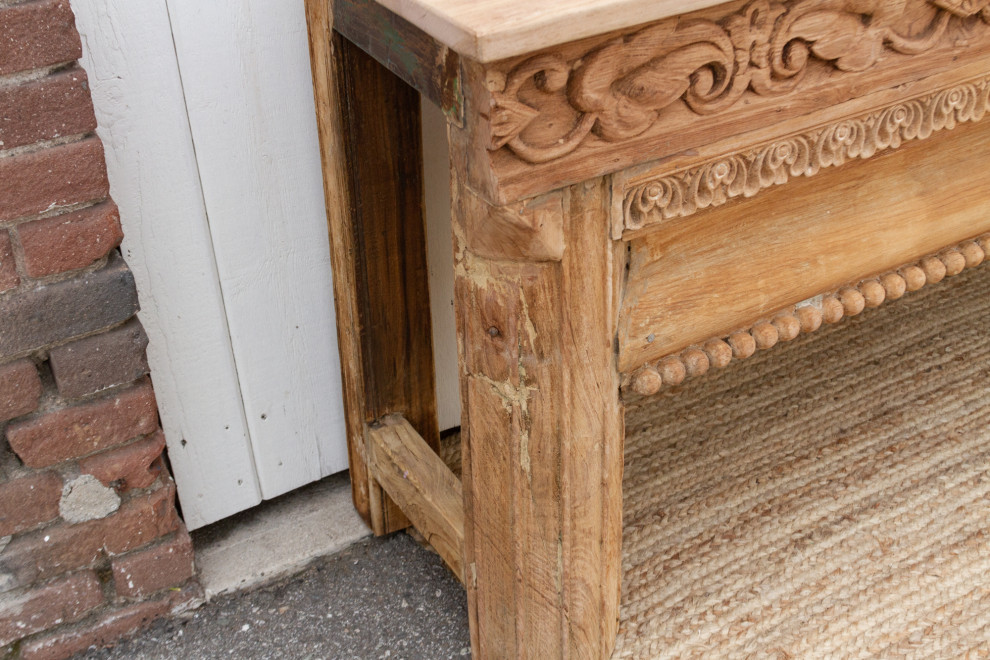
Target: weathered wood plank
x=542, y=457
x=488, y=30
x=142, y=117
x=408, y=52
x=708, y=274
x=372, y=159
x=268, y=227
x=424, y=488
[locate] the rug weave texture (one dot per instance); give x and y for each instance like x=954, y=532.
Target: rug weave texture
x=828, y=498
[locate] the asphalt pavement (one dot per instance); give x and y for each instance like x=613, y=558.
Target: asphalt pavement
x=379, y=598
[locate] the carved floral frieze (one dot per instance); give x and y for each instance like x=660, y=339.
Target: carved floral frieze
x=549, y=106
x=652, y=200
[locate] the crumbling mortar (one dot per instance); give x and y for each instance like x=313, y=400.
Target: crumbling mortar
x=31, y=75
x=41, y=145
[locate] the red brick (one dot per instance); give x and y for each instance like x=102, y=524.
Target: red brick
x=110, y=358
x=44, y=109
x=127, y=467
x=141, y=520
x=37, y=34
x=108, y=629
x=49, y=552
x=51, y=313
x=41, y=180
x=70, y=241
x=105, y=632
x=29, y=501
x=56, y=549
x=144, y=572
x=85, y=428
x=63, y=601
x=20, y=389
x=8, y=267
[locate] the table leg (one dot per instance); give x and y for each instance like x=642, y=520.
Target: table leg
x=542, y=423
x=369, y=123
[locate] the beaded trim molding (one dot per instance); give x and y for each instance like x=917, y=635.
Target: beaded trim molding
x=806, y=317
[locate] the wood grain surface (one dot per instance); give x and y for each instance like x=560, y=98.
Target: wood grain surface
x=424, y=488
x=708, y=274
x=542, y=434
x=489, y=30
x=372, y=159
x=408, y=52
x=670, y=91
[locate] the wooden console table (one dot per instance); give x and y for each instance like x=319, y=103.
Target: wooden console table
x=643, y=190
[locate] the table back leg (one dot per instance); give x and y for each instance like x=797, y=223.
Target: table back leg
x=369, y=125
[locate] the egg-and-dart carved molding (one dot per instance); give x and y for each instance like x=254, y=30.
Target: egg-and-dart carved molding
x=621, y=89
x=649, y=201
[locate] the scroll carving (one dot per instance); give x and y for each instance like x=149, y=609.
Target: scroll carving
x=680, y=194
x=548, y=106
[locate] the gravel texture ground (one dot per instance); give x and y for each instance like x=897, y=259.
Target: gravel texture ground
x=380, y=598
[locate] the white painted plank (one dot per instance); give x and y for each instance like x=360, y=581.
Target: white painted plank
x=440, y=253
x=129, y=56
x=245, y=73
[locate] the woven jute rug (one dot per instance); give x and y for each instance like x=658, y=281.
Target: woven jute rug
x=828, y=498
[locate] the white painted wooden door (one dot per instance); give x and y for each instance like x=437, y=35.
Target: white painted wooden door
x=206, y=113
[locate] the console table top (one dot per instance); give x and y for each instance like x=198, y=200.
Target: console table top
x=490, y=30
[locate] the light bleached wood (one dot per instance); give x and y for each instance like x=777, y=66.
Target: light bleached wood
x=416, y=479
x=647, y=199
x=542, y=434
x=539, y=275
x=249, y=96
x=788, y=323
x=670, y=90
x=710, y=273
x=130, y=58
x=489, y=30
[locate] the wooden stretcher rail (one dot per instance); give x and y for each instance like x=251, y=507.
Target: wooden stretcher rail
x=421, y=485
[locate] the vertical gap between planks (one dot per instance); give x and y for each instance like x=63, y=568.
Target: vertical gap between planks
x=215, y=272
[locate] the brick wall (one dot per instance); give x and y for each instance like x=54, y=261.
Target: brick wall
x=91, y=546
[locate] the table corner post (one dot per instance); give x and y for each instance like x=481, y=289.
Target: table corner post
x=536, y=290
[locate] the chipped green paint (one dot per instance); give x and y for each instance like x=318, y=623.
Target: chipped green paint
x=453, y=106
x=397, y=52
x=405, y=50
